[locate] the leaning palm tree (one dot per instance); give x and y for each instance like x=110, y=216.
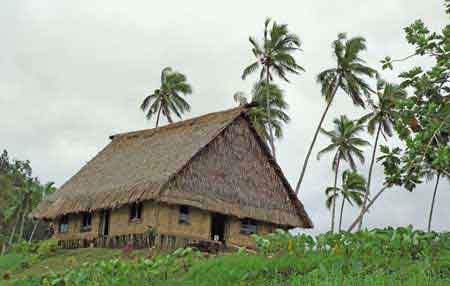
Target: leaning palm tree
x=345, y=141
x=352, y=190
x=274, y=56
x=261, y=94
x=380, y=121
x=168, y=98
x=347, y=76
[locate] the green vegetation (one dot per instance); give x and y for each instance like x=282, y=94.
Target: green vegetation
x=379, y=257
x=20, y=193
x=15, y=267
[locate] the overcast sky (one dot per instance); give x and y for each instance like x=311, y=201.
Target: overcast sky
x=74, y=72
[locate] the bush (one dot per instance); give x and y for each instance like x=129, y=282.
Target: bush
x=23, y=247
x=47, y=247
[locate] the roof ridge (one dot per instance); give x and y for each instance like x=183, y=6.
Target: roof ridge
x=180, y=123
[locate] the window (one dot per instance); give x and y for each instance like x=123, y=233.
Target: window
x=135, y=212
x=184, y=215
x=63, y=224
x=86, y=221
x=248, y=226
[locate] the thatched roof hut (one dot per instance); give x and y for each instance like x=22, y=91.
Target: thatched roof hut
x=167, y=164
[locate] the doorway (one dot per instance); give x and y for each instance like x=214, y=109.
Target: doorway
x=104, y=222
x=218, y=227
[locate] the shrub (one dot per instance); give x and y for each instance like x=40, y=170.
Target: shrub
x=47, y=247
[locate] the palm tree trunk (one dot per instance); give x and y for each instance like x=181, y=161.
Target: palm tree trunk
x=157, y=117
x=34, y=230
x=333, y=214
x=22, y=224
x=37, y=221
x=169, y=118
x=369, y=179
x=432, y=201
x=305, y=164
x=269, y=119
x=366, y=209
x=13, y=232
x=342, y=213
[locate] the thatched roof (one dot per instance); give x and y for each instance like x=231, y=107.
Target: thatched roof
x=160, y=164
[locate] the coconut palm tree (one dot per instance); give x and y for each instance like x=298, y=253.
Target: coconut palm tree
x=352, y=190
x=380, y=121
x=274, y=57
x=259, y=116
x=168, y=98
x=346, y=144
x=347, y=76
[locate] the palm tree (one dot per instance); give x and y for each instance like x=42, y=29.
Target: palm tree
x=347, y=76
x=168, y=97
x=274, y=55
x=345, y=142
x=352, y=190
x=380, y=121
x=258, y=115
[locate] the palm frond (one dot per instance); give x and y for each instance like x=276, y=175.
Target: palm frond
x=326, y=150
x=353, y=47
x=257, y=51
x=250, y=69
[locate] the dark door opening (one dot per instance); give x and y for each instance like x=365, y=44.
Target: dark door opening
x=218, y=227
x=104, y=222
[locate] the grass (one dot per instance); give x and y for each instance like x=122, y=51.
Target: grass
x=10, y=261
x=286, y=270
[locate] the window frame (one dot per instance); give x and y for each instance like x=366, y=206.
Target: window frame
x=248, y=226
x=86, y=221
x=183, y=215
x=63, y=224
x=135, y=212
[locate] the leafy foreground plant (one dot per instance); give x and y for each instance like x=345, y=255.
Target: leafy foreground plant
x=117, y=271
x=389, y=256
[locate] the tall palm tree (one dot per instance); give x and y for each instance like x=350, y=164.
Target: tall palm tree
x=380, y=121
x=347, y=76
x=345, y=141
x=168, y=98
x=274, y=56
x=352, y=190
x=262, y=93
